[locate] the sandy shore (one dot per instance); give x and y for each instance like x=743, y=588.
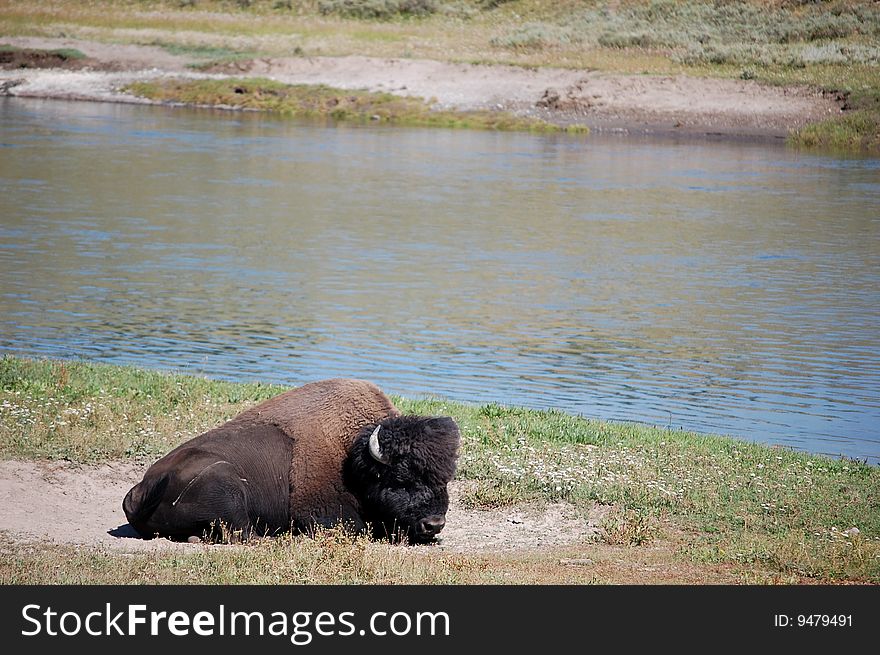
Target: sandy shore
x=59, y=503
x=604, y=102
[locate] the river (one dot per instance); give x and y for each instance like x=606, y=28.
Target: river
x=714, y=286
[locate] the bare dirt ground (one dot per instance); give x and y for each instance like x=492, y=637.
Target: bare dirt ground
x=82, y=505
x=620, y=103
x=107, y=56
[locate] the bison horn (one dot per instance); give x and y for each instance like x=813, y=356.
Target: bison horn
x=374, y=447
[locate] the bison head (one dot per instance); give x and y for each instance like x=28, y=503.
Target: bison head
x=399, y=469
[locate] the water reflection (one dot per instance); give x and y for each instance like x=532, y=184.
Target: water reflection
x=719, y=287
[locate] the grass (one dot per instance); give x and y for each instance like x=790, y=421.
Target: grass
x=88, y=413
x=857, y=130
x=337, y=558
x=331, y=557
x=832, y=45
x=318, y=101
x=208, y=55
x=64, y=54
x=699, y=507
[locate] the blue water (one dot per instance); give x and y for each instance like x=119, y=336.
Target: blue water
x=720, y=287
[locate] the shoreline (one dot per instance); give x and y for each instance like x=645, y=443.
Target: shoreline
x=533, y=490
x=612, y=104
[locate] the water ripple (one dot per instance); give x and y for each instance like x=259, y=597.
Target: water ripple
x=721, y=287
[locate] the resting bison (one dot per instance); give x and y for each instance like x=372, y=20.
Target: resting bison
x=329, y=452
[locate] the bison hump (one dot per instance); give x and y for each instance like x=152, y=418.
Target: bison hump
x=322, y=420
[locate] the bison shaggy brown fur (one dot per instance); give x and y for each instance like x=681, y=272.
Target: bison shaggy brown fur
x=329, y=452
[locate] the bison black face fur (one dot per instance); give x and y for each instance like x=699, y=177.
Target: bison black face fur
x=327, y=453
x=399, y=472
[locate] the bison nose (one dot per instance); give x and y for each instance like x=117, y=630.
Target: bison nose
x=432, y=525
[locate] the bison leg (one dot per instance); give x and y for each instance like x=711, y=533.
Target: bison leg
x=212, y=504
x=201, y=495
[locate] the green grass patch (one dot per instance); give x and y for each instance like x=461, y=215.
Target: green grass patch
x=209, y=52
x=376, y=36
x=856, y=130
x=67, y=53
x=319, y=101
x=61, y=53
x=739, y=503
x=31, y=56
x=87, y=413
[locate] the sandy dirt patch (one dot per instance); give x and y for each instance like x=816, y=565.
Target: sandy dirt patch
x=114, y=56
x=623, y=103
x=62, y=504
x=84, y=84
x=600, y=100
x=82, y=505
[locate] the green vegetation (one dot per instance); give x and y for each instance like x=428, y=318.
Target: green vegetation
x=67, y=53
x=10, y=53
x=381, y=9
x=856, y=130
x=704, y=502
x=738, y=32
x=209, y=53
x=89, y=413
x=318, y=101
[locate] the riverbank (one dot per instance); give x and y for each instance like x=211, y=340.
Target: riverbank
x=520, y=97
x=745, y=69
x=539, y=496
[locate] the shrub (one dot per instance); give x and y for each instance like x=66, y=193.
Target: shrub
x=378, y=9
x=626, y=39
x=737, y=32
x=533, y=36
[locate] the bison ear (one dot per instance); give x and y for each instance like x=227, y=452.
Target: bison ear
x=375, y=451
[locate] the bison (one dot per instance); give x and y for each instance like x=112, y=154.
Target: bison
x=327, y=453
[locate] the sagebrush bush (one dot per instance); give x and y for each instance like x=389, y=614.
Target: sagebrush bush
x=626, y=39
x=533, y=36
x=738, y=32
x=378, y=9
x=794, y=55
